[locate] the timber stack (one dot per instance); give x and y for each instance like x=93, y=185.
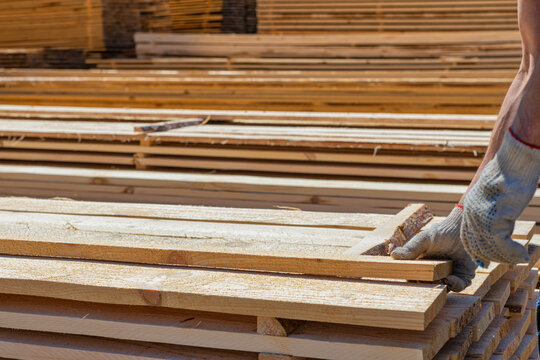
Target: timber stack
x=310, y=161
x=377, y=91
x=301, y=151
x=263, y=284
x=94, y=26
x=315, y=16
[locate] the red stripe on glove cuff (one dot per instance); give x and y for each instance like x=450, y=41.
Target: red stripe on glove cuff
x=523, y=142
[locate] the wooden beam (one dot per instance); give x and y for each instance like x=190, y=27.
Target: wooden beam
x=510, y=343
x=389, y=305
x=27, y=345
x=484, y=348
x=498, y=295
x=283, y=249
x=457, y=348
x=394, y=233
x=483, y=320
x=276, y=327
x=517, y=302
x=353, y=221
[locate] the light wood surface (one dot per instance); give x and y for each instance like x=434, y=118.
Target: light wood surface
x=313, y=339
x=255, y=294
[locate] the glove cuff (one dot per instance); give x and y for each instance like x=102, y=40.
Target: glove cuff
x=518, y=158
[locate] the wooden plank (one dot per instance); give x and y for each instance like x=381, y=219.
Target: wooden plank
x=313, y=339
x=457, y=348
x=355, y=221
x=517, y=302
x=74, y=236
x=26, y=345
x=480, y=285
x=516, y=276
x=197, y=289
x=484, y=348
x=498, y=295
x=510, y=343
x=396, y=232
x=526, y=348
x=530, y=282
x=483, y=320
x=446, y=121
x=276, y=327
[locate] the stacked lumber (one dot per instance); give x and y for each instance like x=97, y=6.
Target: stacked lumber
x=239, y=16
x=149, y=288
x=447, y=155
x=196, y=16
x=376, y=163
x=155, y=15
x=212, y=16
x=91, y=25
x=316, y=16
x=122, y=19
x=470, y=92
x=57, y=58
x=495, y=50
x=64, y=23
x=222, y=189
x=379, y=152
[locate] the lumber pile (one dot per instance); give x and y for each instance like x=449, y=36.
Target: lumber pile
x=148, y=287
x=89, y=25
x=311, y=161
x=378, y=152
x=494, y=50
x=316, y=16
x=470, y=92
x=196, y=16
x=223, y=189
x=239, y=16
x=56, y=58
x=446, y=155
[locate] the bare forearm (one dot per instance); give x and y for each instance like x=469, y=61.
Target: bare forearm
x=526, y=128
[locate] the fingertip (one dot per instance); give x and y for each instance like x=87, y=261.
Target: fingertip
x=518, y=252
x=455, y=283
x=402, y=253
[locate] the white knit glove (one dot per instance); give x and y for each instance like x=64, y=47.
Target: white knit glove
x=503, y=191
x=441, y=241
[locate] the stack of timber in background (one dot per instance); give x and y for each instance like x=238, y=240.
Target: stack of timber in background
x=196, y=16
x=321, y=162
x=400, y=52
x=389, y=153
x=239, y=16
x=138, y=281
x=93, y=26
x=469, y=92
x=305, y=16
x=56, y=58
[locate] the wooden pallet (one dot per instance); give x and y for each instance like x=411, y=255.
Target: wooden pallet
x=158, y=308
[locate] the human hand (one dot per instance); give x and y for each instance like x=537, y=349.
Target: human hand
x=441, y=241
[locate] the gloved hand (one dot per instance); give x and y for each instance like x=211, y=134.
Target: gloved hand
x=492, y=206
x=441, y=241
